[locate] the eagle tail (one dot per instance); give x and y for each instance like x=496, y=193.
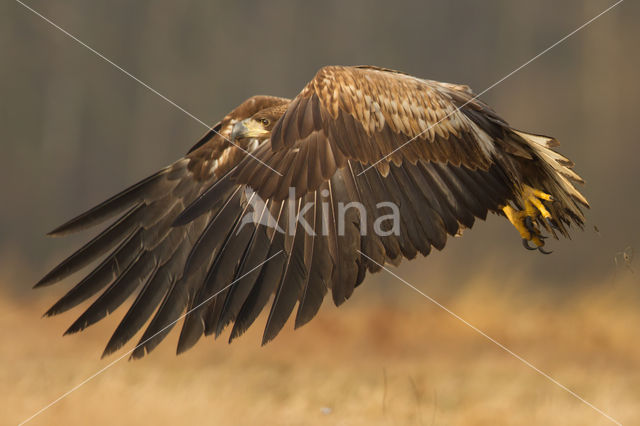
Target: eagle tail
x=555, y=175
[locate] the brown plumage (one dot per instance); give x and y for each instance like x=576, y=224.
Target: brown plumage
x=353, y=134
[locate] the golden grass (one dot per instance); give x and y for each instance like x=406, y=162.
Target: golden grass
x=370, y=362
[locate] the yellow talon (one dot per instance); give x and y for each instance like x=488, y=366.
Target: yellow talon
x=532, y=203
x=517, y=219
x=524, y=220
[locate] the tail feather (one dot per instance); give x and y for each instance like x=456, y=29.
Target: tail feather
x=558, y=178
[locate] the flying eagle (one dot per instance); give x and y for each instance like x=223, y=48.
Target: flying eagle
x=362, y=135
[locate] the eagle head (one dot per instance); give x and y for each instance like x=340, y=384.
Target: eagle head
x=258, y=126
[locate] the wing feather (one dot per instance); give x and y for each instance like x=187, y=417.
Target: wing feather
x=366, y=114
x=291, y=284
x=267, y=280
x=247, y=274
x=318, y=263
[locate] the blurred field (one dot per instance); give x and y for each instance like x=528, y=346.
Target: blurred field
x=75, y=131
x=401, y=361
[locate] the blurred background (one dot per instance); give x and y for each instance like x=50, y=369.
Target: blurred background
x=75, y=130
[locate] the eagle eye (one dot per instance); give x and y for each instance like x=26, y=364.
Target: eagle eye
x=264, y=121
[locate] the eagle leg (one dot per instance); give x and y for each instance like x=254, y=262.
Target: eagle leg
x=523, y=220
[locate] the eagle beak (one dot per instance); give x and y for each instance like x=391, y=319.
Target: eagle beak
x=239, y=130
x=247, y=128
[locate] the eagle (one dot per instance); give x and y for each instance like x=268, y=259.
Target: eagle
x=255, y=211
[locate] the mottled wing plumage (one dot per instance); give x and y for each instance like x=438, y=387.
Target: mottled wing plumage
x=369, y=114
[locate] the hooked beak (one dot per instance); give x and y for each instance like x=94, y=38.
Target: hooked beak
x=247, y=128
x=239, y=130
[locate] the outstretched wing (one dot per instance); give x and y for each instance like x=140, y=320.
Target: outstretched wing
x=142, y=250
x=370, y=115
x=331, y=237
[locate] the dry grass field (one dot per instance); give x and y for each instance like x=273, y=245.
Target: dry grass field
x=370, y=362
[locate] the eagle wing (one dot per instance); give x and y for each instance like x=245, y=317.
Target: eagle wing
x=375, y=117
x=141, y=250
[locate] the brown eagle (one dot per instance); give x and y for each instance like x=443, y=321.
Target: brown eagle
x=356, y=136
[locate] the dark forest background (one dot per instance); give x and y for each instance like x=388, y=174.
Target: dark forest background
x=75, y=130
